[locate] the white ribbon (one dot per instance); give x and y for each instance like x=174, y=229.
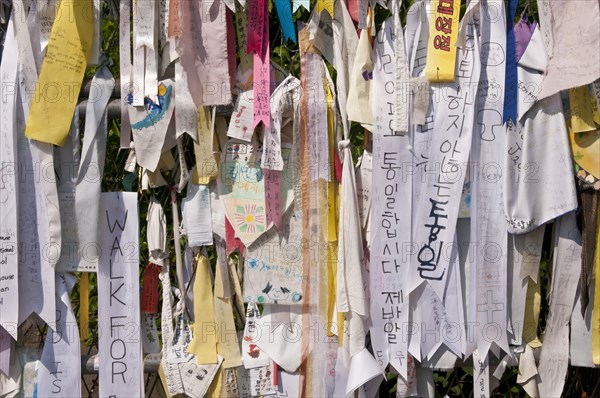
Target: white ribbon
x=172, y=376
x=284, y=98
x=401, y=83
x=118, y=297
x=126, y=69
x=435, y=218
x=60, y=373
x=488, y=230
x=9, y=269
x=566, y=267
x=89, y=179
x=391, y=210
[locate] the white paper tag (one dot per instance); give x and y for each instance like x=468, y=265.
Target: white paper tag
x=197, y=378
x=241, y=125
x=197, y=217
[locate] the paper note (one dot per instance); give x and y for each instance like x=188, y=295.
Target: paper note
x=241, y=188
x=61, y=75
x=261, y=381
x=572, y=65
x=443, y=33
x=272, y=266
x=196, y=209
x=241, y=125
x=197, y=378
x=150, y=124
x=203, y=51
x=118, y=296
x=252, y=356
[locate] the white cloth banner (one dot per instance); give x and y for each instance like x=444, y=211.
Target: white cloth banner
x=119, y=297
x=445, y=164
x=488, y=226
x=60, y=373
x=89, y=178
x=284, y=98
x=125, y=68
x=172, y=370
x=9, y=208
x=538, y=157
x=574, y=58
x=566, y=267
x=391, y=213
x=36, y=274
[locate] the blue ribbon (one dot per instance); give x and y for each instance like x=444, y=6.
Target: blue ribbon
x=511, y=79
x=284, y=12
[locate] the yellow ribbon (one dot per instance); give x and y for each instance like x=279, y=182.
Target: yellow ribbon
x=61, y=74
x=163, y=379
x=327, y=5
x=227, y=342
x=532, y=314
x=206, y=164
x=204, y=340
x=443, y=35
x=583, y=109
x=84, y=306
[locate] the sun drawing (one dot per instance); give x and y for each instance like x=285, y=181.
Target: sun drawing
x=250, y=218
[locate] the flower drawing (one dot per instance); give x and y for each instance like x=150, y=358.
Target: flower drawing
x=250, y=218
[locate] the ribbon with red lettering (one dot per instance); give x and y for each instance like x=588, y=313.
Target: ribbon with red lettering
x=150, y=297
